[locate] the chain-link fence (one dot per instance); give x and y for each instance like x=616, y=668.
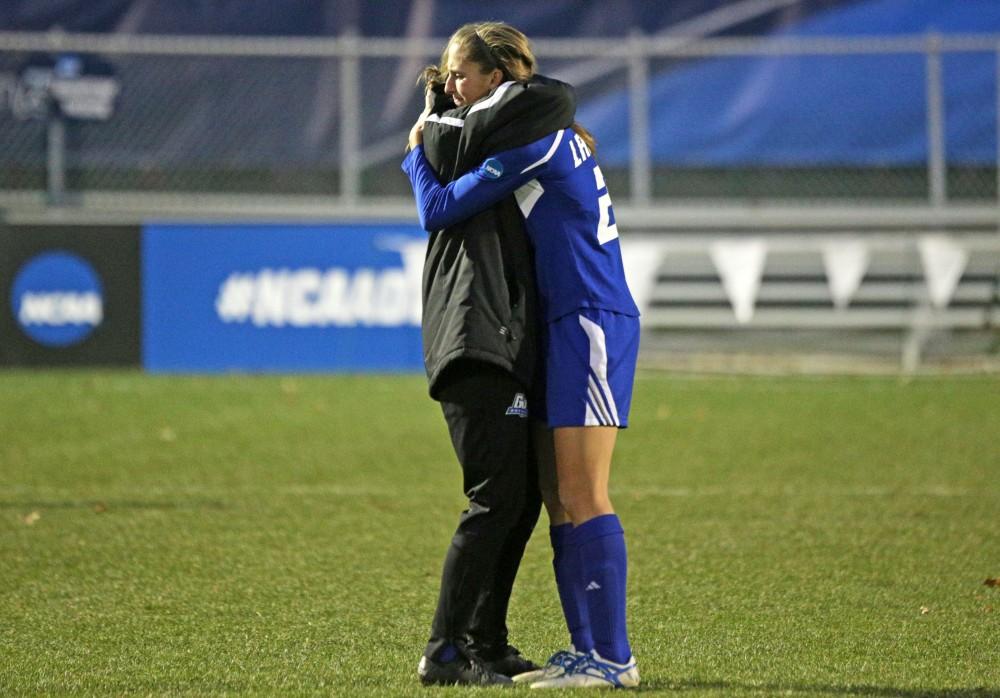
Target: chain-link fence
x=885, y=120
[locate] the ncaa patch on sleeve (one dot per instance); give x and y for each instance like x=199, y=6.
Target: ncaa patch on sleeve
x=492, y=169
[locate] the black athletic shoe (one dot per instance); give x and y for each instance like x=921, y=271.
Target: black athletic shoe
x=466, y=672
x=511, y=663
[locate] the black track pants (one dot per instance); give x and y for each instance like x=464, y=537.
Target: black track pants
x=492, y=440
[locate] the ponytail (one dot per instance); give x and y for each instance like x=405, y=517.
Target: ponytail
x=586, y=135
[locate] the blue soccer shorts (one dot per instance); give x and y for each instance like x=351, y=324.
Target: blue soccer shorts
x=590, y=358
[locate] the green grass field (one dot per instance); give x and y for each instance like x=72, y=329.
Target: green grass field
x=284, y=535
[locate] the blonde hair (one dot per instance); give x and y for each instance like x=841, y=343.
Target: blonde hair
x=493, y=46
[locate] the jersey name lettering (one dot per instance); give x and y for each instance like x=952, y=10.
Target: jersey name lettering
x=579, y=149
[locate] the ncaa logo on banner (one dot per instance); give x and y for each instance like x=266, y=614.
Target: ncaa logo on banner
x=57, y=299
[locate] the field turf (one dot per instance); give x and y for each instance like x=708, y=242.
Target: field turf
x=284, y=535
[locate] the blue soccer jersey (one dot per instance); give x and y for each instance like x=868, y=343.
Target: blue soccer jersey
x=567, y=211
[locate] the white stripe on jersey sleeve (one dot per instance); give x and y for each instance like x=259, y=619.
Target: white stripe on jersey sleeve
x=548, y=155
x=527, y=196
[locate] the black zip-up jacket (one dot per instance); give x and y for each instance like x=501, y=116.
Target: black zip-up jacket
x=479, y=298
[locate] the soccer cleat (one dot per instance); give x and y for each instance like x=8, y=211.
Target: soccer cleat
x=554, y=667
x=511, y=663
x=461, y=671
x=592, y=671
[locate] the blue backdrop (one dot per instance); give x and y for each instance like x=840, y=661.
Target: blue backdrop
x=820, y=110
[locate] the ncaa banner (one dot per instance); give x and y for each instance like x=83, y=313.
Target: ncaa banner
x=275, y=298
x=69, y=295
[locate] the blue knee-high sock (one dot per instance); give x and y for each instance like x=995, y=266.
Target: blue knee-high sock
x=566, y=563
x=603, y=562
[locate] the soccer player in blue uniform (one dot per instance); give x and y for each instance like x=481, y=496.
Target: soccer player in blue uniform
x=590, y=343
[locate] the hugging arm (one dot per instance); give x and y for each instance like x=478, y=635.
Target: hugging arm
x=440, y=206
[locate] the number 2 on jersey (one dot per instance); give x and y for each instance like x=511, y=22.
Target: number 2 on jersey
x=606, y=230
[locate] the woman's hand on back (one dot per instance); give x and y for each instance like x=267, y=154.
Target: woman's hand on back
x=417, y=132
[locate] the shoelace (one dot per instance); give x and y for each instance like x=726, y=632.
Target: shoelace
x=560, y=662
x=587, y=664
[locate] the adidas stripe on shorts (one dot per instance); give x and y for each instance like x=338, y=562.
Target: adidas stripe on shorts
x=590, y=358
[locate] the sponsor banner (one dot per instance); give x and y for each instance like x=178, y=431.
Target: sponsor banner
x=69, y=296
x=282, y=297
